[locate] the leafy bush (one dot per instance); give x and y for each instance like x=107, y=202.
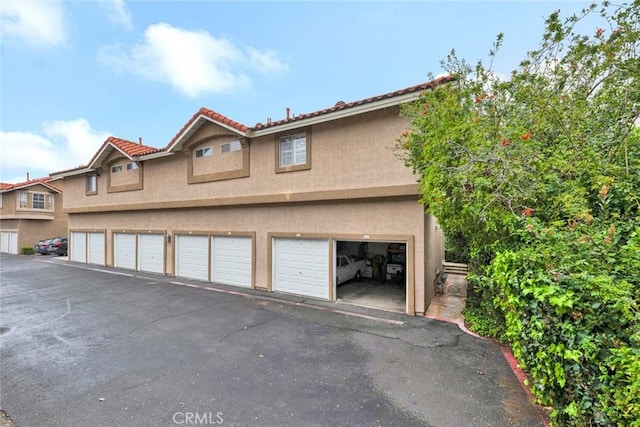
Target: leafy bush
x=27, y=250
x=539, y=177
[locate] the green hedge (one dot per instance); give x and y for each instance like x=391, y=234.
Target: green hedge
x=27, y=250
x=570, y=300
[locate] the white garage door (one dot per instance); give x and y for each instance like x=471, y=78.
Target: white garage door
x=301, y=267
x=96, y=248
x=78, y=246
x=232, y=260
x=124, y=250
x=151, y=253
x=9, y=242
x=192, y=257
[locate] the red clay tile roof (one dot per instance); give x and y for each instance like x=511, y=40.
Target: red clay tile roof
x=212, y=115
x=341, y=105
x=44, y=181
x=129, y=148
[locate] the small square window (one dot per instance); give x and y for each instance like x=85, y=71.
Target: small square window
x=132, y=166
x=37, y=201
x=204, y=152
x=231, y=147
x=293, y=150
x=116, y=169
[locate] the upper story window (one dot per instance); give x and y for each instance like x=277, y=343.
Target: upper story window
x=294, y=153
x=0, y=200
x=23, y=198
x=92, y=184
x=230, y=147
x=204, y=152
x=116, y=169
x=132, y=166
x=37, y=201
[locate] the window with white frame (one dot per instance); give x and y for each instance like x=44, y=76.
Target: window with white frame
x=0, y=200
x=37, y=201
x=204, y=152
x=23, y=199
x=92, y=183
x=230, y=147
x=52, y=198
x=132, y=166
x=116, y=169
x=293, y=150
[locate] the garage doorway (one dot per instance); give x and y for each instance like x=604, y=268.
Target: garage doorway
x=371, y=274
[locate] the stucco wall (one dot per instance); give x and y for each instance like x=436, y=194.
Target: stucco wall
x=399, y=217
x=31, y=229
x=356, y=152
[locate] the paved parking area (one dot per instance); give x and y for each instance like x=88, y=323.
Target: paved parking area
x=80, y=347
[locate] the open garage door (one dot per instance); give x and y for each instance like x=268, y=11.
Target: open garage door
x=192, y=257
x=371, y=274
x=78, y=246
x=151, y=253
x=232, y=262
x=9, y=242
x=96, y=249
x=124, y=250
x=301, y=267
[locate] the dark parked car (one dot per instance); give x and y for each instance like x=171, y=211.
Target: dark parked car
x=56, y=244
x=42, y=247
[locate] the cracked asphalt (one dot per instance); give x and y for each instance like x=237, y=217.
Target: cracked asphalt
x=80, y=346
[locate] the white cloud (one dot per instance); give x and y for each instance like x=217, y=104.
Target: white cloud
x=34, y=22
x=265, y=62
x=193, y=62
x=118, y=12
x=61, y=145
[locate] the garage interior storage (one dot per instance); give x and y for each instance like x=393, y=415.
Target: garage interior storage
x=383, y=282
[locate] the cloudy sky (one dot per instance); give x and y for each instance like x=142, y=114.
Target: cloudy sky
x=73, y=73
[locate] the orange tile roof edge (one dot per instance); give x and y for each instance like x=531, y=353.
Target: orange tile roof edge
x=44, y=181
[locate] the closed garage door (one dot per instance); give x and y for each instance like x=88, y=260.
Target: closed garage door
x=78, y=246
x=96, y=250
x=192, y=257
x=232, y=262
x=9, y=242
x=124, y=250
x=151, y=253
x=301, y=267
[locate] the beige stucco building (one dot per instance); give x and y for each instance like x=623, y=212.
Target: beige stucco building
x=30, y=211
x=266, y=207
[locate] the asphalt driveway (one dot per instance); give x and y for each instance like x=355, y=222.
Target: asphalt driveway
x=81, y=346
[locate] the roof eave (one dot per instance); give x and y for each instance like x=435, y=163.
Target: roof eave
x=67, y=174
x=194, y=126
x=347, y=112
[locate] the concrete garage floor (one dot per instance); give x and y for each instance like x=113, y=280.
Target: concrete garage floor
x=381, y=295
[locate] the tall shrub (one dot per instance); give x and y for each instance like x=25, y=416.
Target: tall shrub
x=538, y=175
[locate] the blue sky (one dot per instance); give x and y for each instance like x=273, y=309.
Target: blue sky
x=73, y=73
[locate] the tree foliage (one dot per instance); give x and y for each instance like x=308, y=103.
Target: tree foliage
x=538, y=176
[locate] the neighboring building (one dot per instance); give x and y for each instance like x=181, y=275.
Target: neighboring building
x=265, y=207
x=30, y=211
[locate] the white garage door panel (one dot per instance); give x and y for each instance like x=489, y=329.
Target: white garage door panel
x=78, y=246
x=301, y=267
x=9, y=242
x=232, y=260
x=124, y=251
x=4, y=241
x=151, y=253
x=192, y=258
x=96, y=248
